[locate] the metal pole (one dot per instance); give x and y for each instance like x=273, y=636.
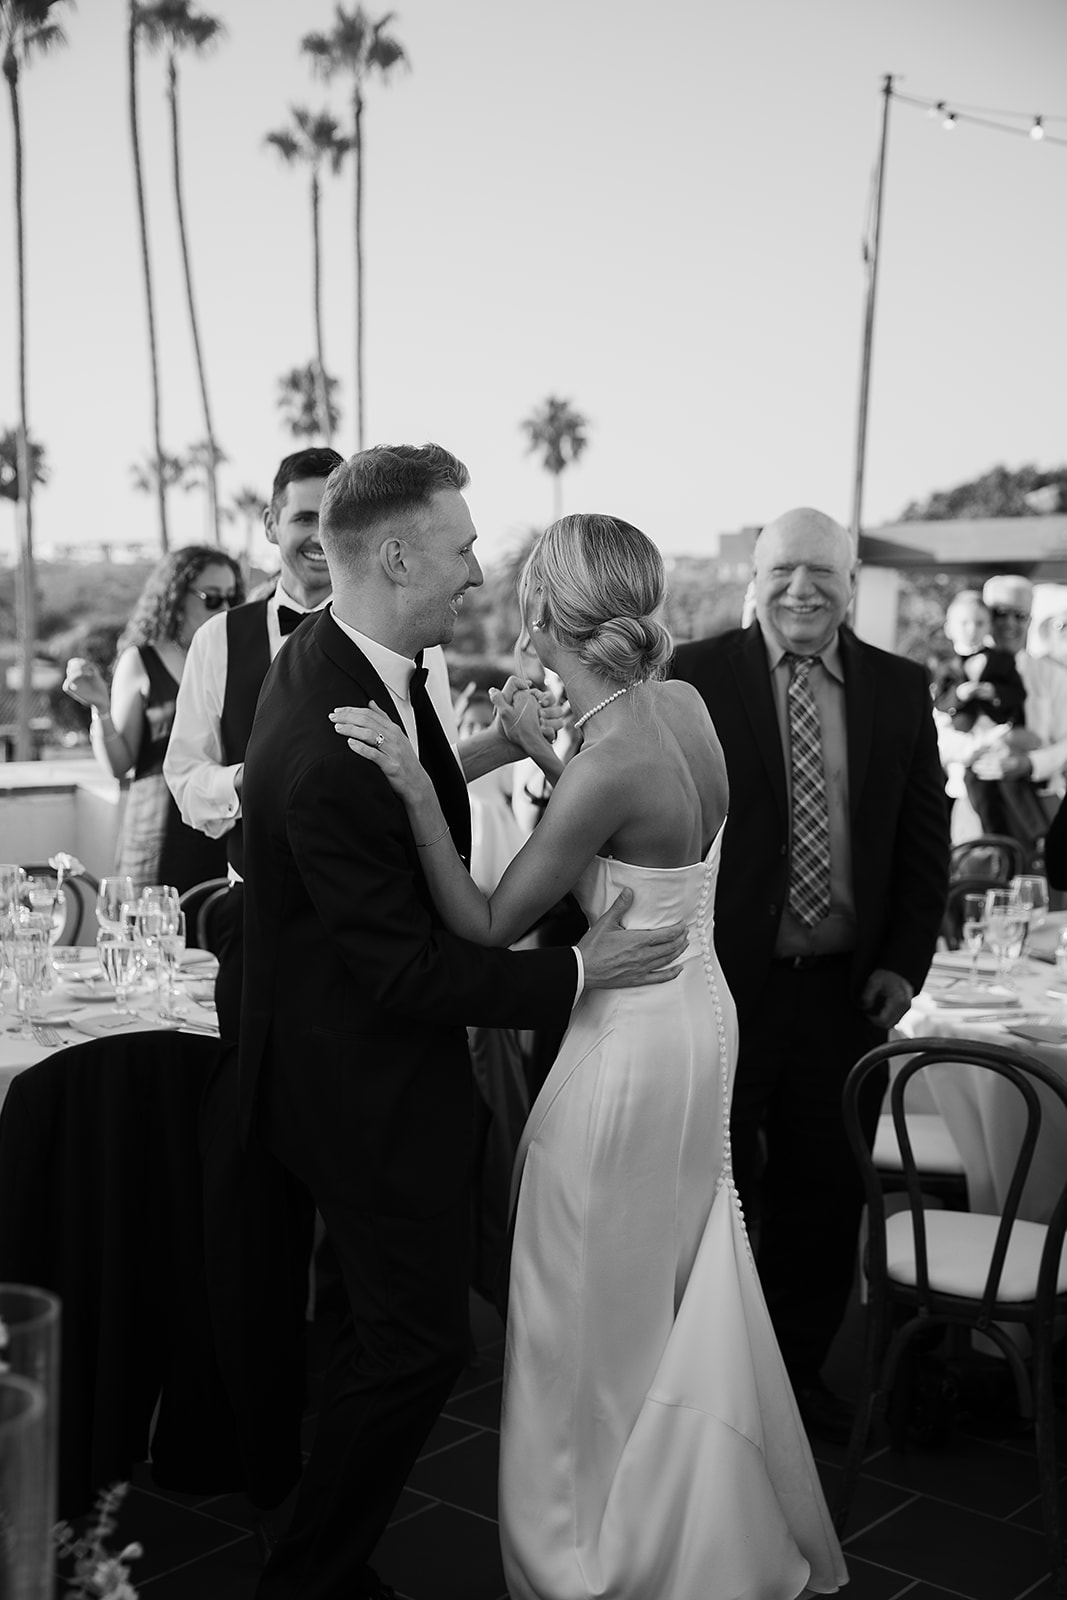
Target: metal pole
x=868, y=321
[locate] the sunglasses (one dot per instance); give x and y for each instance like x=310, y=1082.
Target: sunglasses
x=214, y=598
x=1002, y=613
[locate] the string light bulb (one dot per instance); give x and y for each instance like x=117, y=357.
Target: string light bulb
x=1038, y=129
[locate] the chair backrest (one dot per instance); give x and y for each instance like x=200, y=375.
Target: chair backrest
x=952, y=921
x=79, y=895
x=1023, y=1072
x=990, y=855
x=194, y=902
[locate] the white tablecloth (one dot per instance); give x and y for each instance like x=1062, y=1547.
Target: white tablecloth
x=984, y=1114
x=67, y=999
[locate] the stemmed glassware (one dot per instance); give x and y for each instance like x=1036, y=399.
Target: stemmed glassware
x=120, y=960
x=28, y=954
x=973, y=929
x=112, y=895
x=11, y=876
x=1005, y=930
x=171, y=949
x=1030, y=893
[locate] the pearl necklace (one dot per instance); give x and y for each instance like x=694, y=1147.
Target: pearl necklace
x=579, y=721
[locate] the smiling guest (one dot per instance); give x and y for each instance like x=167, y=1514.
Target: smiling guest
x=830, y=895
x=224, y=674
x=131, y=721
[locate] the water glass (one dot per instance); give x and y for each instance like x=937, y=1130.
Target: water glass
x=29, y=1350
x=171, y=949
x=26, y=1508
x=120, y=960
x=45, y=901
x=10, y=878
x=1030, y=893
x=28, y=955
x=112, y=894
x=1005, y=929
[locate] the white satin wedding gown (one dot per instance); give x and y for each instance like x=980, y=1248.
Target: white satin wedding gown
x=650, y=1444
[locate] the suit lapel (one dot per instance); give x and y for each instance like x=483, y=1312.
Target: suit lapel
x=749, y=663
x=859, y=713
x=435, y=752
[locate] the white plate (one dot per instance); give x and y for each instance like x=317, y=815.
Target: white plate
x=960, y=961
x=92, y=991
x=54, y=1016
x=110, y=1024
x=198, y=958
x=969, y=997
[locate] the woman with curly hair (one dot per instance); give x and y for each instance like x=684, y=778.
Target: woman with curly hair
x=131, y=725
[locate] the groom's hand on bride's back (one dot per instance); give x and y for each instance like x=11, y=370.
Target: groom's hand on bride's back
x=615, y=957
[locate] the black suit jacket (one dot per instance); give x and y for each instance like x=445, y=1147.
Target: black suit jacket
x=899, y=824
x=344, y=951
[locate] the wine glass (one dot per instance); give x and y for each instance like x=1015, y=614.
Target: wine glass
x=171, y=949
x=1005, y=929
x=44, y=899
x=28, y=954
x=1030, y=891
x=11, y=877
x=973, y=929
x=120, y=959
x=112, y=895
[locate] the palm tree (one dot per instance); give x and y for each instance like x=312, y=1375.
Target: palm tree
x=132, y=29
x=313, y=139
x=26, y=28
x=558, y=431
x=156, y=474
x=10, y=476
x=300, y=401
x=249, y=504
x=359, y=47
x=200, y=466
x=172, y=25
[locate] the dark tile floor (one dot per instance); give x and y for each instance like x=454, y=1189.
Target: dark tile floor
x=959, y=1522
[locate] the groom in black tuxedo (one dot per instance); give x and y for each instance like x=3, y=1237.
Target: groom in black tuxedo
x=354, y=1064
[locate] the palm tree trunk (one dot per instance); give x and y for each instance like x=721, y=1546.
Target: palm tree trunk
x=325, y=420
x=557, y=495
x=211, y=476
x=135, y=137
x=26, y=596
x=357, y=108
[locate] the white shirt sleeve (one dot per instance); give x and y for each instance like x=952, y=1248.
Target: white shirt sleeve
x=1045, y=682
x=202, y=787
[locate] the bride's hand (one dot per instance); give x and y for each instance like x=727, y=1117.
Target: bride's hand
x=518, y=715
x=373, y=735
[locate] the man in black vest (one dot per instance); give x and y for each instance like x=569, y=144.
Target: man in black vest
x=204, y=766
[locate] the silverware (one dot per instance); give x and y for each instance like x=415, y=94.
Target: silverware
x=46, y=1035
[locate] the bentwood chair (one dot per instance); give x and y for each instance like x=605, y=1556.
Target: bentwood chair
x=198, y=904
x=79, y=898
x=928, y=1269
x=990, y=855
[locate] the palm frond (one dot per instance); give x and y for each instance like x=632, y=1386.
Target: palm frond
x=286, y=146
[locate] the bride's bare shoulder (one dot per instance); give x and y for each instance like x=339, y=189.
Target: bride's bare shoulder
x=676, y=699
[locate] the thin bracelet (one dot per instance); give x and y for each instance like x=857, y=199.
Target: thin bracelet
x=433, y=841
x=99, y=717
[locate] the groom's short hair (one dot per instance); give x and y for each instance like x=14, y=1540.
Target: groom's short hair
x=386, y=484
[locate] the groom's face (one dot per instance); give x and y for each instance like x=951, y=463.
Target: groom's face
x=443, y=566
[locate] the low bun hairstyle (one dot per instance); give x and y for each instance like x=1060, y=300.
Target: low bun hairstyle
x=601, y=584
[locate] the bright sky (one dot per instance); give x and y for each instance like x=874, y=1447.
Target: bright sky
x=652, y=210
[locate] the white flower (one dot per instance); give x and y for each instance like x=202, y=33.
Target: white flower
x=66, y=866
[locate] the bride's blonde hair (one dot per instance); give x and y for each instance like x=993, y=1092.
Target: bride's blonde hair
x=599, y=583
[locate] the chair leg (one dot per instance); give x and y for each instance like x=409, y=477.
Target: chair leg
x=1045, y=1438
x=870, y=1391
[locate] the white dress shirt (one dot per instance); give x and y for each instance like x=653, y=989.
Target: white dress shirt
x=1045, y=683
x=202, y=786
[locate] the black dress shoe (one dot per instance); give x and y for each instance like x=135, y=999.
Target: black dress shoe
x=824, y=1414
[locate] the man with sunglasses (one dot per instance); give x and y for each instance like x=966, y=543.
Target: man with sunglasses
x=1036, y=753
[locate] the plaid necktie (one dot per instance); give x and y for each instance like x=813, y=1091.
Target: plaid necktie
x=809, y=865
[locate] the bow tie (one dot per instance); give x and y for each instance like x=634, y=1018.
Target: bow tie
x=288, y=619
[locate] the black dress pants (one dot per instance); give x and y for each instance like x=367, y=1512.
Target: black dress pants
x=796, y=1049
x=401, y=1344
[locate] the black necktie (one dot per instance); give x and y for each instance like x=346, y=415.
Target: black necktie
x=288, y=619
x=436, y=756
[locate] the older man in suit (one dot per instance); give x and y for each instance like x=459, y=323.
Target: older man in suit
x=830, y=895
x=354, y=1064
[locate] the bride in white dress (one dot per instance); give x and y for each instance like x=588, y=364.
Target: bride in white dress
x=650, y=1445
